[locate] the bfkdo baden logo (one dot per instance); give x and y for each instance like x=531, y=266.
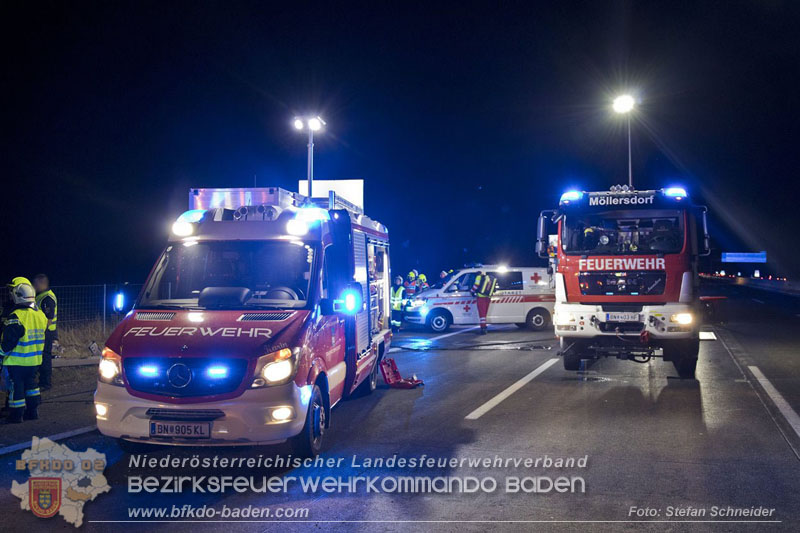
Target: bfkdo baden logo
x=44, y=495
x=61, y=481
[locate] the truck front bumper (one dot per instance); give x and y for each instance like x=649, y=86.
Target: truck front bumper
x=245, y=420
x=655, y=322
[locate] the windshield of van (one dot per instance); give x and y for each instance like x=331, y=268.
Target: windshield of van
x=277, y=273
x=623, y=232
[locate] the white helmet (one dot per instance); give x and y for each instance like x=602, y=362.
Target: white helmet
x=22, y=293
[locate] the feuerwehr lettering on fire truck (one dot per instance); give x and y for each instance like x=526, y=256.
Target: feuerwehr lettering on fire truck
x=622, y=263
x=177, y=331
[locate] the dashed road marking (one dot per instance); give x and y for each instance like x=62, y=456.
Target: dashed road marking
x=491, y=404
x=777, y=398
x=708, y=336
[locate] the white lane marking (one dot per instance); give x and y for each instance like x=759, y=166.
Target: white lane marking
x=777, y=398
x=708, y=336
x=756, y=300
x=57, y=436
x=491, y=404
x=451, y=334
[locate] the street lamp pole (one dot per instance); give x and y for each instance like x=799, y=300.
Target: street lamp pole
x=630, y=158
x=311, y=124
x=624, y=106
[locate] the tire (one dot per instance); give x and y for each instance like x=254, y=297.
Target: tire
x=572, y=360
x=371, y=383
x=439, y=321
x=537, y=319
x=683, y=355
x=308, y=443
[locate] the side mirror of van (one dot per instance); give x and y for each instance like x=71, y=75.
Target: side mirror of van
x=326, y=307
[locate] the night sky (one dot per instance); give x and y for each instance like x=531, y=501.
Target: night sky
x=465, y=119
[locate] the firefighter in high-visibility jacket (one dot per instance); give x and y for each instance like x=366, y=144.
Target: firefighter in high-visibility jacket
x=483, y=289
x=397, y=300
x=22, y=343
x=411, y=284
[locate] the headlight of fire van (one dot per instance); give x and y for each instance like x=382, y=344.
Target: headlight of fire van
x=682, y=318
x=275, y=368
x=110, y=368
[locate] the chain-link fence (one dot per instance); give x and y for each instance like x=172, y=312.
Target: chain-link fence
x=86, y=313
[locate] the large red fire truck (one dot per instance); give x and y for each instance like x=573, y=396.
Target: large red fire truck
x=626, y=282
x=262, y=313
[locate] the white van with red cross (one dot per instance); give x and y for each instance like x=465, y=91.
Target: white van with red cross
x=525, y=296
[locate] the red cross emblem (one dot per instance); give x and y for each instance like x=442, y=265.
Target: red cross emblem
x=467, y=308
x=536, y=277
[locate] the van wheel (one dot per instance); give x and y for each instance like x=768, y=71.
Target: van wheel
x=572, y=359
x=371, y=383
x=683, y=355
x=308, y=443
x=572, y=362
x=538, y=319
x=439, y=321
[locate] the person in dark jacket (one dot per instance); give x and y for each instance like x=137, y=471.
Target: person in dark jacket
x=48, y=304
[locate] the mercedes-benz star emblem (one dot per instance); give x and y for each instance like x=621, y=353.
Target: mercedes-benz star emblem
x=179, y=375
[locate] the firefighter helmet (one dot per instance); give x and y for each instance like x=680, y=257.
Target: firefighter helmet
x=398, y=279
x=412, y=275
x=22, y=291
x=423, y=278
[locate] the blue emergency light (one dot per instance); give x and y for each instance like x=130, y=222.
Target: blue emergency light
x=119, y=301
x=675, y=192
x=217, y=372
x=571, y=196
x=350, y=302
x=148, y=371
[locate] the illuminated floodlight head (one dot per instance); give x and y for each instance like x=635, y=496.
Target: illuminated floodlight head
x=571, y=196
x=184, y=226
x=675, y=192
x=624, y=104
x=315, y=123
x=298, y=123
x=297, y=227
x=502, y=268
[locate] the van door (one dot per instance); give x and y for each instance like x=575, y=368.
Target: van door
x=507, y=302
x=459, y=300
x=329, y=339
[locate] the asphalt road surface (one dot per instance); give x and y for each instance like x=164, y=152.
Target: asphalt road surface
x=651, y=442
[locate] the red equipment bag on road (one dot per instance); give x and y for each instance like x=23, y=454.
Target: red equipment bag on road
x=393, y=378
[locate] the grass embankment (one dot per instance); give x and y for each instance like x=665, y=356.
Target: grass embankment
x=76, y=338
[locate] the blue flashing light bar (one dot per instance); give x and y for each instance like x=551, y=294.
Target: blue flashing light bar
x=193, y=215
x=571, y=196
x=744, y=257
x=675, y=192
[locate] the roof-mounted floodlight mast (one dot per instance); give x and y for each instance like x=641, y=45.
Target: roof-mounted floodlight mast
x=624, y=105
x=311, y=124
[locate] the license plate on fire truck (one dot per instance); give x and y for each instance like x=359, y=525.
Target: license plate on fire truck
x=622, y=317
x=180, y=430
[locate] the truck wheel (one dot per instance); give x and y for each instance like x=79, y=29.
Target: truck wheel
x=683, y=355
x=537, y=319
x=572, y=360
x=439, y=321
x=308, y=443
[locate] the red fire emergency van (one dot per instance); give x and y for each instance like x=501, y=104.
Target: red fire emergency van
x=262, y=313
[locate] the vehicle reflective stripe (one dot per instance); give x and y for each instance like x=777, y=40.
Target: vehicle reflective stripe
x=32, y=392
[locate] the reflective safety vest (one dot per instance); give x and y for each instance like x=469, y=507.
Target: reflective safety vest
x=39, y=298
x=397, y=298
x=485, y=285
x=28, y=351
x=411, y=287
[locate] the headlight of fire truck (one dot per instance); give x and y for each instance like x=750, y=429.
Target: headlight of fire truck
x=682, y=318
x=275, y=368
x=110, y=368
